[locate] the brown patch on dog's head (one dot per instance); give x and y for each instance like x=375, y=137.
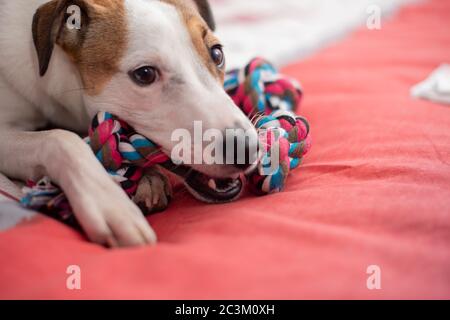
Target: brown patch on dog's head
x=96, y=48
x=198, y=18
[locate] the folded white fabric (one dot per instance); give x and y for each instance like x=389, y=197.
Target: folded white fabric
x=11, y=214
x=436, y=87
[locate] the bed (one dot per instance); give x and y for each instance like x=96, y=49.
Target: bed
x=374, y=191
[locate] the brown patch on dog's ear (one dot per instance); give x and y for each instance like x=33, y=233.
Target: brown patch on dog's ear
x=205, y=11
x=49, y=27
x=95, y=48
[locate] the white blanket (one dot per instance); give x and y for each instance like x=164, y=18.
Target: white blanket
x=286, y=30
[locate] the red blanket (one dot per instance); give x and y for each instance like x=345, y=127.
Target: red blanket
x=375, y=190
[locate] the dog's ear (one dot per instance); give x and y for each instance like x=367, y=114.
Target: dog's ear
x=50, y=27
x=205, y=11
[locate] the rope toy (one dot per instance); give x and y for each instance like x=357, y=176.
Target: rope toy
x=262, y=94
x=287, y=140
x=260, y=91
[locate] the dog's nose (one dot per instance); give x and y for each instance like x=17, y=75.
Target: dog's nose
x=241, y=150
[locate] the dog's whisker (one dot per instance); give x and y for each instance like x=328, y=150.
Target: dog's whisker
x=256, y=117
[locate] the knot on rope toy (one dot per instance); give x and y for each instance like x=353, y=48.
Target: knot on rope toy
x=271, y=99
x=260, y=89
x=286, y=140
x=123, y=152
x=265, y=96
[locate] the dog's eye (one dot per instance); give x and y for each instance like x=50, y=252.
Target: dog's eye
x=144, y=76
x=218, y=56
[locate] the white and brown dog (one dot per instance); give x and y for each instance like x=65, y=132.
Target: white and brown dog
x=154, y=63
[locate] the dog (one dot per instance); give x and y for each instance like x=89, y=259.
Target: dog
x=156, y=64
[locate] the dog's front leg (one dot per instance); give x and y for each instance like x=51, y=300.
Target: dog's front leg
x=102, y=208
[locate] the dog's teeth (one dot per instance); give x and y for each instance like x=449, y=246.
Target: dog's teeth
x=212, y=184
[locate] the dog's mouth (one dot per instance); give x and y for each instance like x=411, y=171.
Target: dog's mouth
x=213, y=190
x=208, y=189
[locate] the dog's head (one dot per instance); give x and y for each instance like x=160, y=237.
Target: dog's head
x=154, y=63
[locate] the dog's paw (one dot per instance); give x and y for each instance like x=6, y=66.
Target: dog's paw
x=154, y=192
x=109, y=217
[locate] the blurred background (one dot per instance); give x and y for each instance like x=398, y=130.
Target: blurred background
x=286, y=30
